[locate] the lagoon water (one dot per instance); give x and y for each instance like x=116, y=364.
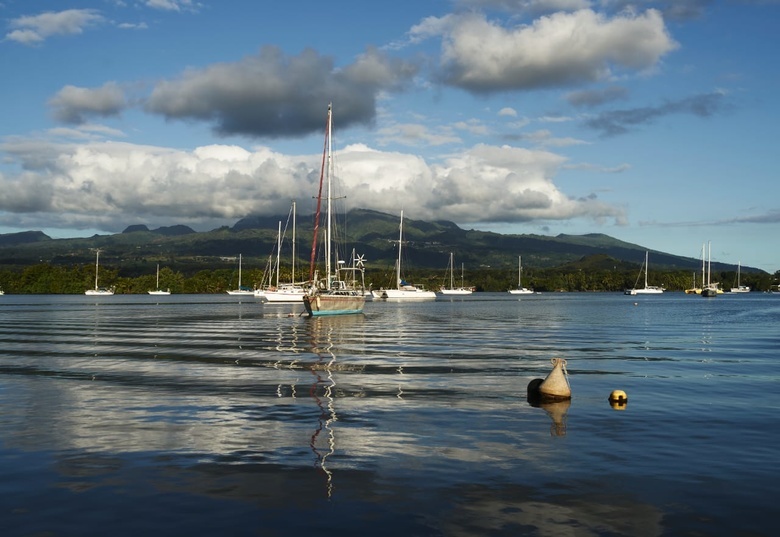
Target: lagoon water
x=217, y=415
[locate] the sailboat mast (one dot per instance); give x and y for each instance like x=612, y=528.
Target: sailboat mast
x=313, y=257
x=400, y=241
x=292, y=270
x=519, y=272
x=452, y=270
x=278, y=251
x=328, y=236
x=97, y=262
x=646, y=267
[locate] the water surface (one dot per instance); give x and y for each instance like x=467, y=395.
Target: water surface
x=210, y=414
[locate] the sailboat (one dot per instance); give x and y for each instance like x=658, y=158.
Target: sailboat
x=740, y=288
x=240, y=290
x=403, y=289
x=520, y=289
x=697, y=290
x=333, y=295
x=98, y=291
x=157, y=290
x=647, y=289
x=283, y=292
x=710, y=290
x=452, y=290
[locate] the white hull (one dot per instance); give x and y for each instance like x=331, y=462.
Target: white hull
x=291, y=295
x=407, y=294
x=98, y=292
x=522, y=291
x=740, y=289
x=158, y=292
x=455, y=291
x=241, y=292
x=648, y=291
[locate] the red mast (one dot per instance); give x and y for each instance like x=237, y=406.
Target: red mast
x=319, y=201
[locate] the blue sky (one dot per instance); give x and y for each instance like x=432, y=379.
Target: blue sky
x=651, y=121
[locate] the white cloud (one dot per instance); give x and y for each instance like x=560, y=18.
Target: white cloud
x=110, y=185
x=556, y=50
x=35, y=29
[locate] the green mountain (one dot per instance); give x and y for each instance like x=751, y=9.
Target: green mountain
x=372, y=234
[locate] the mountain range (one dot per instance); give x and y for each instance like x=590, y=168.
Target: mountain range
x=373, y=234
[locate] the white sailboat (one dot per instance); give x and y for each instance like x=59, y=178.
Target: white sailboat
x=98, y=291
x=333, y=295
x=520, y=289
x=740, y=288
x=452, y=290
x=709, y=290
x=283, y=292
x=647, y=289
x=240, y=290
x=403, y=289
x=157, y=290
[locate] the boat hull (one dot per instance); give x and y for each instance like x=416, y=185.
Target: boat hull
x=99, y=292
x=159, y=292
x=407, y=294
x=455, y=291
x=522, y=291
x=282, y=296
x=322, y=304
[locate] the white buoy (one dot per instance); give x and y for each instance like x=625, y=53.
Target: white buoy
x=556, y=385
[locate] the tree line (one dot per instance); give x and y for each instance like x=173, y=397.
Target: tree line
x=47, y=278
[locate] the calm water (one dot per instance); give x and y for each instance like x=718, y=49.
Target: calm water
x=217, y=415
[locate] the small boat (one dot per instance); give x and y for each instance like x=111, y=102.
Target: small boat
x=520, y=290
x=157, y=290
x=241, y=290
x=332, y=295
x=403, y=289
x=452, y=290
x=740, y=288
x=697, y=290
x=98, y=291
x=647, y=289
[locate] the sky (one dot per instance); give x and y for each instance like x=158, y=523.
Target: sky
x=653, y=122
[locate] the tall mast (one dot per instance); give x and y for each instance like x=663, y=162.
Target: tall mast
x=328, y=268
x=97, y=258
x=400, y=241
x=292, y=270
x=313, y=257
x=278, y=251
x=519, y=272
x=646, y=267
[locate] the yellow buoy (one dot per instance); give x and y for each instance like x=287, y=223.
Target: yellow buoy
x=618, y=399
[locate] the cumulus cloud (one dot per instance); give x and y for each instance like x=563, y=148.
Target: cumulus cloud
x=274, y=95
x=615, y=122
x=107, y=185
x=74, y=105
x=561, y=49
x=35, y=29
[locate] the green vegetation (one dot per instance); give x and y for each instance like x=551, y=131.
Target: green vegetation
x=591, y=273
